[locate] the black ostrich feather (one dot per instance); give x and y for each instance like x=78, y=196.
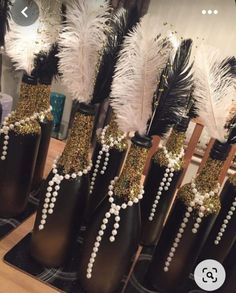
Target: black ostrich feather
x=192, y=107
x=231, y=63
x=121, y=23
x=4, y=19
x=231, y=126
x=46, y=65
x=173, y=91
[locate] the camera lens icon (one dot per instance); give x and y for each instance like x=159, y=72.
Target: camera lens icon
x=209, y=275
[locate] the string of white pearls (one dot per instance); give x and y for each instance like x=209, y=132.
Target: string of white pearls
x=53, y=189
x=197, y=201
x=104, y=151
x=113, y=211
x=225, y=222
x=6, y=127
x=173, y=160
x=178, y=236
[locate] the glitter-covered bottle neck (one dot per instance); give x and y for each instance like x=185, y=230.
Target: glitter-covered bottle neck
x=207, y=179
x=232, y=180
x=75, y=156
x=174, y=146
x=129, y=183
x=43, y=99
x=175, y=142
x=206, y=186
x=26, y=107
x=113, y=133
x=209, y=175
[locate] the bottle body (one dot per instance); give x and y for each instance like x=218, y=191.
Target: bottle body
x=113, y=258
x=16, y=172
x=151, y=229
x=51, y=245
x=222, y=236
x=184, y=254
x=46, y=129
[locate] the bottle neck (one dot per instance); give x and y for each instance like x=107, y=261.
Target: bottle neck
x=208, y=178
x=129, y=183
x=232, y=180
x=43, y=98
x=174, y=145
x=27, y=101
x=175, y=142
x=113, y=132
x=26, y=107
x=75, y=156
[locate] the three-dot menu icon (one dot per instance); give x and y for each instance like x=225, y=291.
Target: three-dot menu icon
x=210, y=12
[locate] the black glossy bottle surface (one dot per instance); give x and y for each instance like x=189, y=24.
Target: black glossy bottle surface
x=220, y=251
x=46, y=129
x=113, y=258
x=151, y=230
x=51, y=246
x=16, y=172
x=185, y=255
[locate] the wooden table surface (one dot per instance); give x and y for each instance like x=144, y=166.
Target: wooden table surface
x=12, y=280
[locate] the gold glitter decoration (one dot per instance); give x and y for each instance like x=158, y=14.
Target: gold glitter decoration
x=75, y=156
x=128, y=184
x=232, y=179
x=205, y=182
x=114, y=132
x=43, y=100
x=26, y=108
x=174, y=145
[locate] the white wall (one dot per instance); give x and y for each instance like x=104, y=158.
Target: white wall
x=187, y=19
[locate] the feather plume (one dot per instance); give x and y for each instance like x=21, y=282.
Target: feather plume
x=46, y=65
x=214, y=85
x=192, y=106
x=173, y=92
x=82, y=42
x=143, y=56
x=231, y=129
x=4, y=19
x=121, y=22
x=24, y=43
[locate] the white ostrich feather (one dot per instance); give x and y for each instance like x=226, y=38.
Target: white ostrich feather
x=23, y=43
x=214, y=88
x=81, y=45
x=144, y=55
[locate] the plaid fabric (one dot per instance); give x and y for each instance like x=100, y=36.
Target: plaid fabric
x=135, y=284
x=63, y=278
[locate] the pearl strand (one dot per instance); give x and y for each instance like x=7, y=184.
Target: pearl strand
x=113, y=211
x=225, y=222
x=173, y=160
x=198, y=200
x=7, y=127
x=179, y=235
x=53, y=188
x=105, y=150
